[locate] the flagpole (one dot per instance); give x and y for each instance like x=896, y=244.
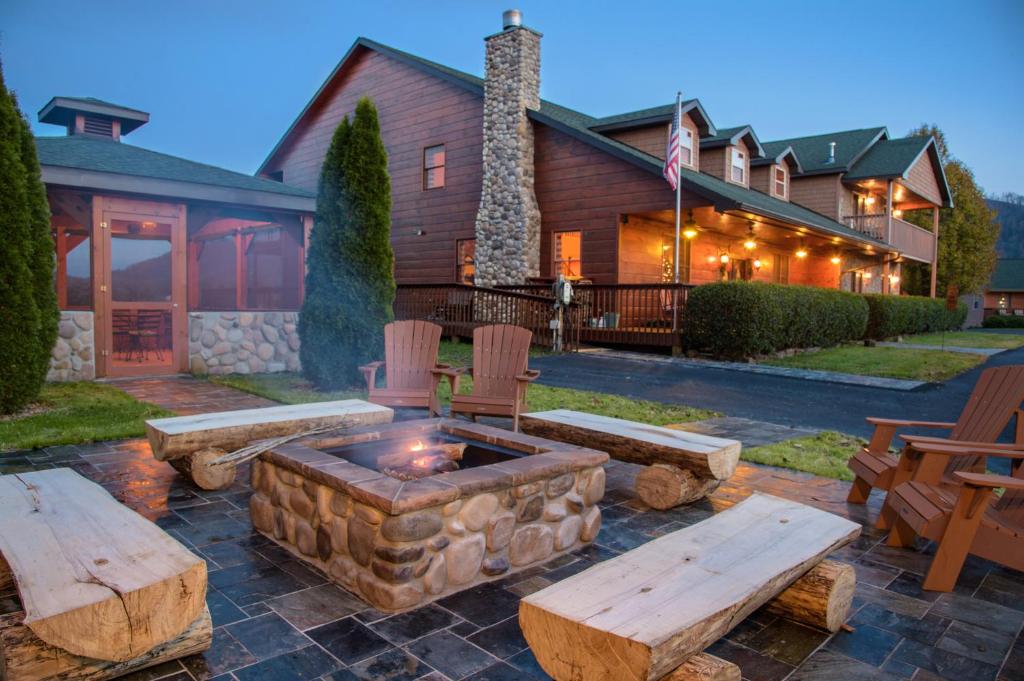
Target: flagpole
x=679, y=200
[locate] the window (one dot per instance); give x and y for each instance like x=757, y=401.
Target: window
x=433, y=167
x=739, y=166
x=73, y=274
x=273, y=261
x=780, y=182
x=465, y=261
x=686, y=146
x=216, y=278
x=780, y=269
x=568, y=255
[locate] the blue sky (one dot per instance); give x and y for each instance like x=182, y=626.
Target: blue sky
x=223, y=79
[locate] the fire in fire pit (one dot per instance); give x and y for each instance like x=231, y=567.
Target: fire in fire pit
x=420, y=457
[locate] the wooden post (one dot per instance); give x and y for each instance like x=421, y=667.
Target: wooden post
x=935, y=251
x=100, y=244
x=888, y=212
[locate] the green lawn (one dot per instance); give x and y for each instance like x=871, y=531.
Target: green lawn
x=921, y=365
x=824, y=454
x=292, y=388
x=968, y=339
x=70, y=413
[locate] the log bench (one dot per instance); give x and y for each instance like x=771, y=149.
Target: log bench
x=682, y=467
x=102, y=591
x=191, y=443
x=649, y=613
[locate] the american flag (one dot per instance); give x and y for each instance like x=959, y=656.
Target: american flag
x=671, y=170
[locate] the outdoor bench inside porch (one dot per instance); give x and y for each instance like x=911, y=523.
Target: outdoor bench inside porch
x=101, y=590
x=682, y=467
x=649, y=613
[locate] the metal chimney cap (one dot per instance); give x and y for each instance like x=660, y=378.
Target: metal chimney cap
x=511, y=18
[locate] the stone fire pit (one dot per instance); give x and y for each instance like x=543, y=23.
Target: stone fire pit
x=515, y=500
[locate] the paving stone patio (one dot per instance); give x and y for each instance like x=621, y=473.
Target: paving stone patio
x=275, y=618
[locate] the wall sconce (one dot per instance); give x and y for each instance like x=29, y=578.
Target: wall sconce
x=894, y=279
x=712, y=259
x=836, y=260
x=801, y=252
x=757, y=263
x=866, y=275
x=148, y=225
x=897, y=213
x=724, y=258
x=869, y=201
x=420, y=232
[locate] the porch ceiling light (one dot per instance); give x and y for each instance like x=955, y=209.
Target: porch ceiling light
x=724, y=258
x=869, y=201
x=836, y=260
x=894, y=278
x=751, y=243
x=801, y=252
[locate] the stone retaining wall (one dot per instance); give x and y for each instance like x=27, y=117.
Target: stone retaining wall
x=73, y=357
x=398, y=561
x=243, y=342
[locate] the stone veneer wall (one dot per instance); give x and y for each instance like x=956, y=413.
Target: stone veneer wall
x=396, y=562
x=508, y=220
x=73, y=357
x=243, y=342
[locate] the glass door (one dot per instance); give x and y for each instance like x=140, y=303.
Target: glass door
x=143, y=293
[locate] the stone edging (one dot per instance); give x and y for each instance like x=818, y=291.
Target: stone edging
x=987, y=352
x=803, y=374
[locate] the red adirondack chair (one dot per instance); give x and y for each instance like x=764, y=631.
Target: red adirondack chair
x=500, y=376
x=996, y=397
x=410, y=361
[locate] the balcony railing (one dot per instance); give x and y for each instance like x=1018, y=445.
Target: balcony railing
x=912, y=241
x=874, y=225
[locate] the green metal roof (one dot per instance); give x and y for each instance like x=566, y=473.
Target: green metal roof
x=813, y=151
x=1008, y=276
x=108, y=156
x=888, y=158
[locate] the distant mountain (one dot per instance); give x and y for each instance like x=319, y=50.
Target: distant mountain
x=1011, y=218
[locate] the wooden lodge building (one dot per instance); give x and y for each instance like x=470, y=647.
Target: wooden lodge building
x=494, y=186
x=167, y=265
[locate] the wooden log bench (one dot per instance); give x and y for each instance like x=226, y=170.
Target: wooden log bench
x=191, y=443
x=682, y=467
x=649, y=613
x=102, y=590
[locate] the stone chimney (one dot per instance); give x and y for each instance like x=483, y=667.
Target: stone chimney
x=508, y=220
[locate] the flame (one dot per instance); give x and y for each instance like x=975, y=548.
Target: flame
x=417, y=446
x=423, y=461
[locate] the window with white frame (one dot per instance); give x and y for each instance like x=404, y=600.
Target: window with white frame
x=686, y=146
x=739, y=166
x=780, y=182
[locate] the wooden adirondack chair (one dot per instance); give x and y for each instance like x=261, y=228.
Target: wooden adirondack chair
x=410, y=352
x=996, y=397
x=962, y=517
x=500, y=376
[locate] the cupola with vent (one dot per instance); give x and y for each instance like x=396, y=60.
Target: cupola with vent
x=93, y=117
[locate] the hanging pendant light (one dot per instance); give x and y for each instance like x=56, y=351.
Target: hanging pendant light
x=690, y=227
x=750, y=243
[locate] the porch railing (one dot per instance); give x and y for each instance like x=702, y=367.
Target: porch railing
x=874, y=225
x=912, y=241
x=626, y=314
x=460, y=308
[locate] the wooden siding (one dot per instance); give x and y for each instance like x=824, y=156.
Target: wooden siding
x=818, y=192
x=921, y=178
x=761, y=178
x=416, y=110
x=583, y=188
x=713, y=162
x=653, y=139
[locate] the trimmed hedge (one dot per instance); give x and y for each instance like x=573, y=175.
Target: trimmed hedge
x=742, y=319
x=1004, y=321
x=898, y=315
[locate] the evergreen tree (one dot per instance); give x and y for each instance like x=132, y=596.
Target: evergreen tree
x=967, y=232
x=19, y=313
x=350, y=284
x=42, y=259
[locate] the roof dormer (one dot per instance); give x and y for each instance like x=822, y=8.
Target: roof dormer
x=93, y=117
x=771, y=173
x=728, y=153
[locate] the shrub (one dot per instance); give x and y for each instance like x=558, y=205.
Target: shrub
x=742, y=319
x=1004, y=321
x=897, y=315
x=350, y=285
x=22, y=265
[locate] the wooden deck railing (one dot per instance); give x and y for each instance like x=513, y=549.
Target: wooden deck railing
x=626, y=314
x=912, y=241
x=459, y=308
x=874, y=225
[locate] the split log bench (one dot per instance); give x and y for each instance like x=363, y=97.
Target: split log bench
x=191, y=443
x=682, y=467
x=102, y=590
x=648, y=613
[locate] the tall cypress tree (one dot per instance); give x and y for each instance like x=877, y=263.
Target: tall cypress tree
x=350, y=285
x=41, y=260
x=19, y=313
